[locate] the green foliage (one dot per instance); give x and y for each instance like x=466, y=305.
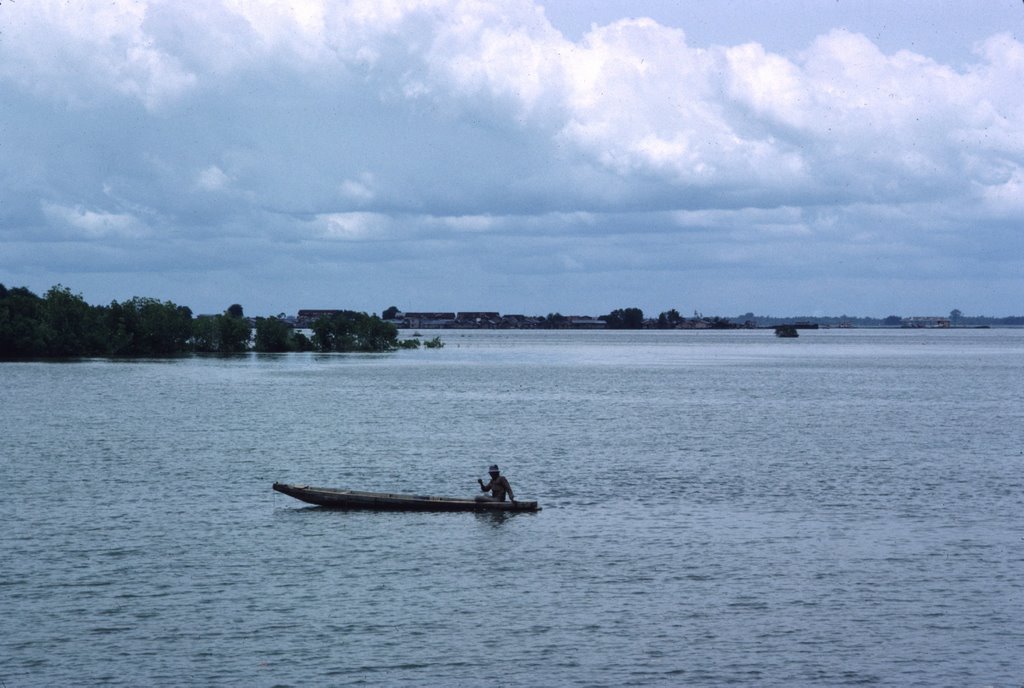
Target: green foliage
x=20, y=323
x=434, y=343
x=323, y=335
x=354, y=331
x=301, y=342
x=221, y=334
x=205, y=337
x=669, y=319
x=624, y=319
x=68, y=327
x=62, y=324
x=718, y=323
x=147, y=327
x=554, y=321
x=233, y=331
x=273, y=335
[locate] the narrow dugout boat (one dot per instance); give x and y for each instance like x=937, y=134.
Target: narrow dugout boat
x=386, y=501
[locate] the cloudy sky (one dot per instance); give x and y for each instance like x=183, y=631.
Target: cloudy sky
x=787, y=158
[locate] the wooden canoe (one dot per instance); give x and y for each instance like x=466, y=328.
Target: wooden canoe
x=386, y=501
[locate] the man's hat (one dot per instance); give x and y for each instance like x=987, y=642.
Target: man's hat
x=493, y=468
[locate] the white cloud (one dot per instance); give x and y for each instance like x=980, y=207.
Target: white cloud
x=354, y=226
x=78, y=52
x=770, y=85
x=470, y=223
x=213, y=178
x=472, y=128
x=1005, y=197
x=360, y=190
x=83, y=223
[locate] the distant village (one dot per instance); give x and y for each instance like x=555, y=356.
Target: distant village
x=494, y=320
x=60, y=324
x=491, y=320
x=629, y=318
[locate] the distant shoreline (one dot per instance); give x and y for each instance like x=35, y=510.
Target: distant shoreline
x=731, y=329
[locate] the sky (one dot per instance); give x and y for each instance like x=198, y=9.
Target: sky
x=822, y=157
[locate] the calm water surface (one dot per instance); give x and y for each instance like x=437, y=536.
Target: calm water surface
x=719, y=508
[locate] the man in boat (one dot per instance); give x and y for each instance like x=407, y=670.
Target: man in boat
x=498, y=487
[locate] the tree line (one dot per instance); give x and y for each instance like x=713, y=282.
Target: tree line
x=60, y=324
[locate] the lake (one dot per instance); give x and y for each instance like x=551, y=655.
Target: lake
x=719, y=508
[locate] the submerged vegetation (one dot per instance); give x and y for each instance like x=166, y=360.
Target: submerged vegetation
x=354, y=331
x=60, y=324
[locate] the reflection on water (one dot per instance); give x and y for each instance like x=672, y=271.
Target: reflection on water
x=496, y=519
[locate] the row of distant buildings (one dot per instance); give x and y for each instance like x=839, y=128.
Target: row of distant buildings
x=493, y=320
x=926, y=322
x=462, y=320
x=433, y=320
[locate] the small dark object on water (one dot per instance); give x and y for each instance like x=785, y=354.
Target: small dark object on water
x=387, y=501
x=786, y=331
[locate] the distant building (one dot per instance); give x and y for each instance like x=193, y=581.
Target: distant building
x=924, y=322
x=478, y=318
x=585, y=322
x=519, y=321
x=428, y=319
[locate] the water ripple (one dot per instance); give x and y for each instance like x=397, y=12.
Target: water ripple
x=718, y=511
